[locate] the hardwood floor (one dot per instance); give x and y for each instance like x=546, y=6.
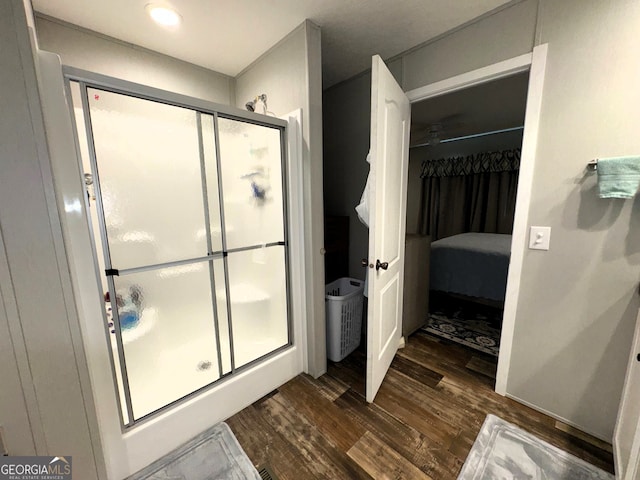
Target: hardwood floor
x=422, y=424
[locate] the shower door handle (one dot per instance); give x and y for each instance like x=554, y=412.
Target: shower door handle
x=381, y=265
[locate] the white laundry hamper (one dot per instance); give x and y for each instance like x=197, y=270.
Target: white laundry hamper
x=343, y=306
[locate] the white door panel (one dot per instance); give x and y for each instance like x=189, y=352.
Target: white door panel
x=390, y=121
x=389, y=308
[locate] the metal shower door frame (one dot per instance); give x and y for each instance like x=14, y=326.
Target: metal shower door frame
x=87, y=80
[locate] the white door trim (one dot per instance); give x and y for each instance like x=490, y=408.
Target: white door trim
x=486, y=74
x=535, y=62
x=521, y=217
x=295, y=189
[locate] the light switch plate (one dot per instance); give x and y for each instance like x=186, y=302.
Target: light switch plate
x=539, y=238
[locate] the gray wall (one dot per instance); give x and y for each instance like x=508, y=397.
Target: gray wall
x=506, y=34
x=579, y=300
x=290, y=74
x=14, y=416
x=35, y=291
x=346, y=143
x=98, y=53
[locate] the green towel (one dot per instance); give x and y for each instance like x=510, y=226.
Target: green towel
x=618, y=177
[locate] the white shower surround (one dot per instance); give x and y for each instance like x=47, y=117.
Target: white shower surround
x=163, y=352
x=128, y=451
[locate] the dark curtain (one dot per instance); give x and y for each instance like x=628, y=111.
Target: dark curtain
x=473, y=202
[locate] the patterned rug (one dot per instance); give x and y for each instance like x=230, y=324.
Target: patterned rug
x=464, y=321
x=503, y=450
x=476, y=333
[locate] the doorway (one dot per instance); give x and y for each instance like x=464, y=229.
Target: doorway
x=535, y=64
x=464, y=161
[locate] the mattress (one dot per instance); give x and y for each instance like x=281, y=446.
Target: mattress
x=472, y=264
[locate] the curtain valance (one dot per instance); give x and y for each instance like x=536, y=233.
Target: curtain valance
x=502, y=161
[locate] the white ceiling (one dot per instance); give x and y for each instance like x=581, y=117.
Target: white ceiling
x=227, y=35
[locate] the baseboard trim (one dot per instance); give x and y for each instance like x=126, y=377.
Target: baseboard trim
x=558, y=417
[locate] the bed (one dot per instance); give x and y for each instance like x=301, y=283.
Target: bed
x=471, y=264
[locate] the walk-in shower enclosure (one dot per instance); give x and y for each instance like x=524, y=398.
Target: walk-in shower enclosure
x=188, y=213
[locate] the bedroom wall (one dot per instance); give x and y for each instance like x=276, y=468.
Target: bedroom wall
x=290, y=74
x=578, y=301
x=502, y=141
x=82, y=48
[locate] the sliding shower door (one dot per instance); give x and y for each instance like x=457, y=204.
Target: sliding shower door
x=251, y=159
x=188, y=211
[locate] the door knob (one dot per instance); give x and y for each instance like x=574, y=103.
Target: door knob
x=381, y=265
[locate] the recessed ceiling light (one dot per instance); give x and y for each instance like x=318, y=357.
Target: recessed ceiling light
x=162, y=15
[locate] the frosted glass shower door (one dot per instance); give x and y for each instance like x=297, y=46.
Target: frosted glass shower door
x=251, y=164
x=150, y=180
x=150, y=163
x=187, y=207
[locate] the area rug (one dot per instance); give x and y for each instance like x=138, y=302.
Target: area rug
x=503, y=450
x=212, y=455
x=478, y=334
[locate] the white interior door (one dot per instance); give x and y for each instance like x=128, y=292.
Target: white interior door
x=626, y=437
x=390, y=122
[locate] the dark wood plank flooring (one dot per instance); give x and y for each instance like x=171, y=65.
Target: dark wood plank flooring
x=422, y=424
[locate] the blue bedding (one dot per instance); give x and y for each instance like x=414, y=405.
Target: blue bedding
x=472, y=264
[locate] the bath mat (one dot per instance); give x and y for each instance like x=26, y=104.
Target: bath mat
x=478, y=334
x=212, y=455
x=503, y=450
